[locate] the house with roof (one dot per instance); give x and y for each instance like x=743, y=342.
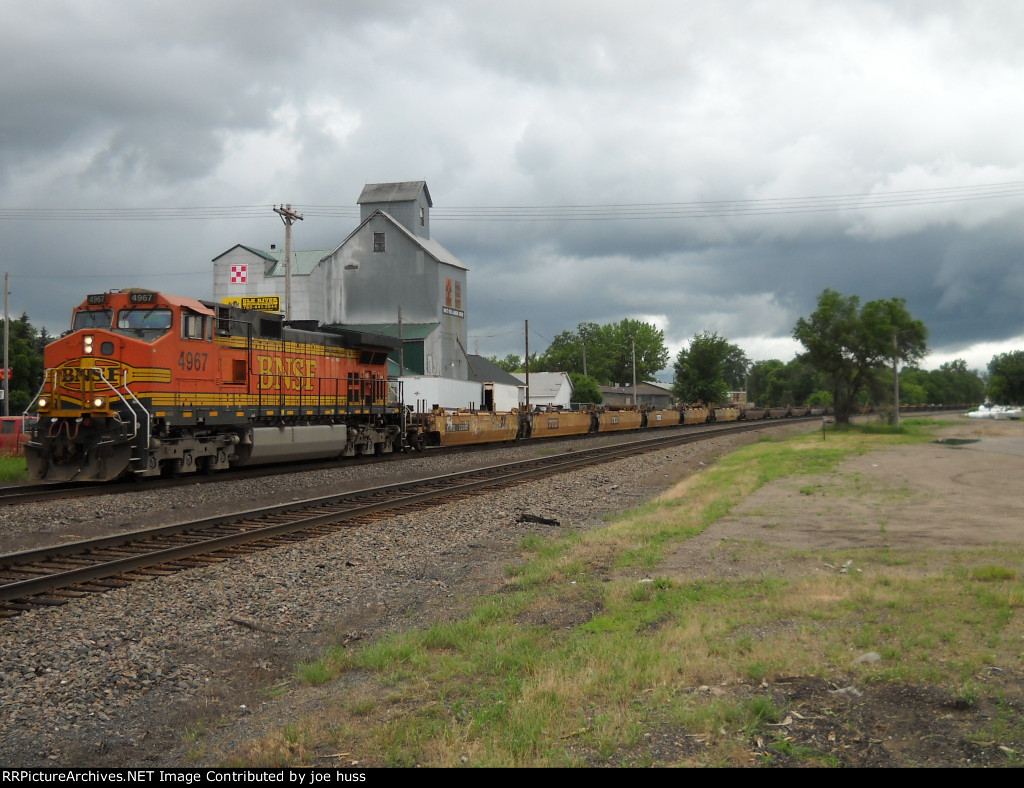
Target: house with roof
x=388, y=276
x=651, y=395
x=548, y=389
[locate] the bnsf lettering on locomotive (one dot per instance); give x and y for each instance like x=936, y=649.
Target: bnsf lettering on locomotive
x=77, y=375
x=291, y=373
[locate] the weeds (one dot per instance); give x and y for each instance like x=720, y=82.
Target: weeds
x=502, y=687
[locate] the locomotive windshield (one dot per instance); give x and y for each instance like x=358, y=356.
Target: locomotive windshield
x=92, y=318
x=146, y=323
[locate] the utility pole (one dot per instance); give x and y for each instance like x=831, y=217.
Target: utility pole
x=583, y=342
x=635, y=402
x=289, y=217
x=896, y=378
x=401, y=345
x=7, y=348
x=527, y=327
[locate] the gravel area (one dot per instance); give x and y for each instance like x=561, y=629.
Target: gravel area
x=119, y=679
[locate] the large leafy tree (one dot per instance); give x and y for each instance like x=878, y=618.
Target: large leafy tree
x=773, y=383
x=951, y=384
x=702, y=369
x=1006, y=378
x=850, y=344
x=510, y=363
x=646, y=340
x=605, y=353
x=585, y=389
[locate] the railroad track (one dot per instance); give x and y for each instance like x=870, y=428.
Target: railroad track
x=34, y=493
x=59, y=574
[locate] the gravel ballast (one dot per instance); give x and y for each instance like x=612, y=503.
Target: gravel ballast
x=119, y=679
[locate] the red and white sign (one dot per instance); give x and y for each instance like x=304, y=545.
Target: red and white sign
x=239, y=274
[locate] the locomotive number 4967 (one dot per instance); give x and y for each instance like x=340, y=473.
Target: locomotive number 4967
x=194, y=362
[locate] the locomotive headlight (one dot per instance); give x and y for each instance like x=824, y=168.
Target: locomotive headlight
x=99, y=403
x=88, y=344
x=43, y=403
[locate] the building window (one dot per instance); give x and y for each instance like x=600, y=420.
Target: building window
x=423, y=216
x=378, y=242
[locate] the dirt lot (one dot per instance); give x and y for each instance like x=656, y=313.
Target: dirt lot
x=934, y=497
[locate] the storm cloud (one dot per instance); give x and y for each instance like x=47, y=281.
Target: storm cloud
x=703, y=166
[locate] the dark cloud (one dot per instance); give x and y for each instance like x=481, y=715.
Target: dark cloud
x=535, y=104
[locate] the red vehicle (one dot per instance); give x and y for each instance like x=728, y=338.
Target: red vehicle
x=147, y=383
x=12, y=432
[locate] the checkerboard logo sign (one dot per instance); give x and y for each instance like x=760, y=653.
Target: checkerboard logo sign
x=239, y=274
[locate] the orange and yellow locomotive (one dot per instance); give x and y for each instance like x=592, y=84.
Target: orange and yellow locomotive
x=146, y=383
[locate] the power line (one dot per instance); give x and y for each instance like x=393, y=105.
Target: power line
x=564, y=213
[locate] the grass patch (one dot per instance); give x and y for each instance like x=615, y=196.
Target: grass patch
x=12, y=468
x=503, y=687
x=992, y=573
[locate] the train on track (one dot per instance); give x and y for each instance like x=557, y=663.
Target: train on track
x=147, y=383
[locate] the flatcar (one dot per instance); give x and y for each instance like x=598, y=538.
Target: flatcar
x=146, y=383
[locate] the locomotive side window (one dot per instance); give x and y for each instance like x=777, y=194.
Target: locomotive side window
x=192, y=326
x=92, y=318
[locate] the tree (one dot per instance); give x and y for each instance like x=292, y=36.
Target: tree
x=605, y=353
x=735, y=367
x=701, y=368
x=849, y=344
x=772, y=384
x=650, y=352
x=585, y=389
x=511, y=363
x=951, y=384
x=26, y=362
x=1006, y=378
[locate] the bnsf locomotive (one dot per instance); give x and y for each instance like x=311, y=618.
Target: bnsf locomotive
x=147, y=383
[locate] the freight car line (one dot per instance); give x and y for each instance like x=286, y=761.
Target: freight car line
x=56, y=575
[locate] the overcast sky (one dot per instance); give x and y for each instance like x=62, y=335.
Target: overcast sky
x=747, y=154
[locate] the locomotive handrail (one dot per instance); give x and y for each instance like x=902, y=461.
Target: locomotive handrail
x=135, y=417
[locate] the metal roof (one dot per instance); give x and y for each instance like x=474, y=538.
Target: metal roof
x=409, y=330
x=303, y=262
x=251, y=250
x=484, y=371
x=403, y=191
x=545, y=384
